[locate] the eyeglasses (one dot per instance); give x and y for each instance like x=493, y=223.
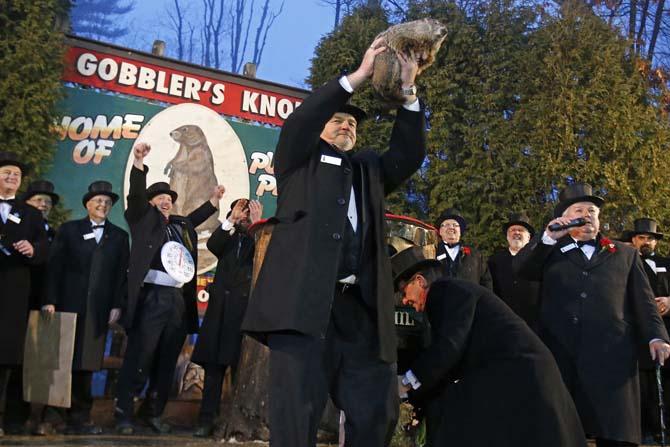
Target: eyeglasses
x=450, y=225
x=104, y=202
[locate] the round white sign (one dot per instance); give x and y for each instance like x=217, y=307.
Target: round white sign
x=177, y=261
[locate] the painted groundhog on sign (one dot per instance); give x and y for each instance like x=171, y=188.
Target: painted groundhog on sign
x=191, y=173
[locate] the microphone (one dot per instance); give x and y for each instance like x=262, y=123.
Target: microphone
x=579, y=222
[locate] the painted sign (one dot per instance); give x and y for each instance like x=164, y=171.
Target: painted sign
x=132, y=76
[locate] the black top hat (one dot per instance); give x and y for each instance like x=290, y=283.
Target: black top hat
x=519, y=219
x=409, y=261
x=452, y=213
x=645, y=225
x=161, y=188
x=354, y=111
x=626, y=236
x=11, y=159
x=40, y=187
x=99, y=188
x=577, y=192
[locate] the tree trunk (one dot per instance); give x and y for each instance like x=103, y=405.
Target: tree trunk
x=656, y=29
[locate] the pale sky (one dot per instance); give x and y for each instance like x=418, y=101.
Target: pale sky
x=290, y=44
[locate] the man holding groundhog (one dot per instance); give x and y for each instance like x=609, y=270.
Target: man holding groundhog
x=323, y=302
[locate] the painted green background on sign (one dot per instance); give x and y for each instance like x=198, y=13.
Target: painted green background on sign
x=71, y=179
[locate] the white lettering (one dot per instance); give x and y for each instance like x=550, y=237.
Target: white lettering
x=108, y=69
x=191, y=88
x=176, y=85
x=268, y=105
x=160, y=85
x=217, y=94
x=147, y=79
x=284, y=108
x=86, y=64
x=249, y=102
x=128, y=74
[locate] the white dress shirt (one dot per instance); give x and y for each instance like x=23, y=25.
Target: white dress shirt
x=5, y=208
x=98, y=231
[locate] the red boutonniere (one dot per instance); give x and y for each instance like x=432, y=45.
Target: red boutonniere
x=466, y=251
x=606, y=244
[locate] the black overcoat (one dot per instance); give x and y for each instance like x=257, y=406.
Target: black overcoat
x=520, y=294
x=38, y=275
x=88, y=279
x=15, y=278
x=220, y=334
x=593, y=315
x=660, y=284
x=468, y=267
x=295, y=287
x=507, y=380
x=147, y=229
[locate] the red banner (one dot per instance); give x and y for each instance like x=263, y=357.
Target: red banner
x=146, y=80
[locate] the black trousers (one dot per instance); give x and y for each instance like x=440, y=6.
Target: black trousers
x=5, y=372
x=154, y=344
x=211, y=393
x=81, y=401
x=304, y=370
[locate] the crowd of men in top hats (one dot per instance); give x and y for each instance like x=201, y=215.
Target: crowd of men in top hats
x=538, y=346
x=88, y=267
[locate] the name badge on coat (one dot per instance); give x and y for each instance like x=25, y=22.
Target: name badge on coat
x=88, y=236
x=14, y=218
x=441, y=257
x=569, y=247
x=337, y=161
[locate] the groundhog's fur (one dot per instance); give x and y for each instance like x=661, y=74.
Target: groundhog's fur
x=191, y=172
x=423, y=36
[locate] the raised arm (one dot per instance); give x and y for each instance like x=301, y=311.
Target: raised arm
x=301, y=132
x=407, y=148
x=138, y=204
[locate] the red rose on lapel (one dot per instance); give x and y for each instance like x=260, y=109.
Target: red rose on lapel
x=606, y=244
x=466, y=251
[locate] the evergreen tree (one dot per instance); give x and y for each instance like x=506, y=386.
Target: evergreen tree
x=31, y=64
x=520, y=104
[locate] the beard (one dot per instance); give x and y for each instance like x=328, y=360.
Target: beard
x=646, y=250
x=516, y=244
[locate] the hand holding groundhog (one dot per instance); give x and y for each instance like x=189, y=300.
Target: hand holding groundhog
x=217, y=194
x=364, y=71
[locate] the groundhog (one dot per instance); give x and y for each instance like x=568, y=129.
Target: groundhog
x=191, y=173
x=423, y=36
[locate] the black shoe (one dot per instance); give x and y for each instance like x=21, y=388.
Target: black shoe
x=125, y=428
x=83, y=429
x=44, y=429
x=204, y=430
x=158, y=426
x=15, y=430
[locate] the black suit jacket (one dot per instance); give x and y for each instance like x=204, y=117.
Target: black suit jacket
x=506, y=376
x=471, y=267
x=220, y=335
x=89, y=279
x=520, y=294
x=295, y=287
x=147, y=229
x=594, y=315
x=15, y=278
